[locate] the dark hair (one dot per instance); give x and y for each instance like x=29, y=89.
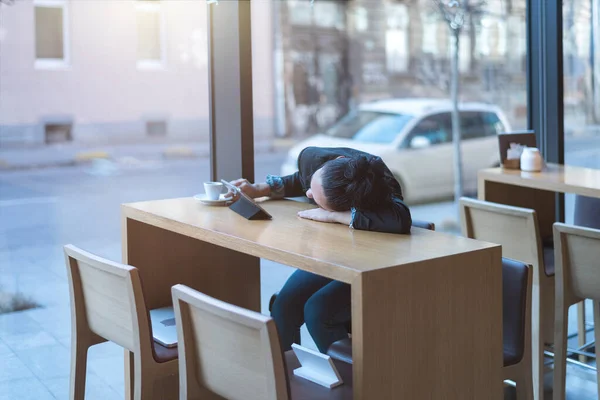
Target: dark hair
x=356, y=182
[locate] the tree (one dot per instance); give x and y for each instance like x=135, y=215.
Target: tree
x=456, y=14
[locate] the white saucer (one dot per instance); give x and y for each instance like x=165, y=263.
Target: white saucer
x=201, y=197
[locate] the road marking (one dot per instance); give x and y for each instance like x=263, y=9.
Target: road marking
x=29, y=200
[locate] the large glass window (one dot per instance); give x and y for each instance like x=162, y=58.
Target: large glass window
x=581, y=65
x=83, y=130
x=396, y=56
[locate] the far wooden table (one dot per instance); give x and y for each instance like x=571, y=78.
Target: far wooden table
x=536, y=190
x=426, y=307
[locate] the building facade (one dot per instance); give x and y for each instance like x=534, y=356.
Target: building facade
x=99, y=71
x=347, y=52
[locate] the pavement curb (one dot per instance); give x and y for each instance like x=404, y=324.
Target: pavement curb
x=166, y=152
x=86, y=156
x=176, y=152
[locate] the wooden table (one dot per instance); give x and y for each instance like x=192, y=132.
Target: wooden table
x=536, y=190
x=426, y=307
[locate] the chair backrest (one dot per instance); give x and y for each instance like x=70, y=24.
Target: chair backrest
x=516, y=307
x=107, y=299
x=578, y=260
x=587, y=212
x=226, y=351
x=515, y=228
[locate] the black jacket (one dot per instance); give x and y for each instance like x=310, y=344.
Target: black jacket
x=394, y=217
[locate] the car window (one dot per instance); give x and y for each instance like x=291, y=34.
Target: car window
x=476, y=124
x=492, y=124
x=370, y=126
x=471, y=125
x=435, y=128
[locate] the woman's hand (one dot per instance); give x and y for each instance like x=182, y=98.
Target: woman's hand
x=321, y=215
x=253, y=190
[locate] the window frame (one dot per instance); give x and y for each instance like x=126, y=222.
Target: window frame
x=153, y=64
x=54, y=63
x=545, y=113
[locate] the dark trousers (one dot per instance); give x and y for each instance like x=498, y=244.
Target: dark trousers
x=322, y=303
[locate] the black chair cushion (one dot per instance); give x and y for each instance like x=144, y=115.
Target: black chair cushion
x=424, y=225
x=163, y=354
x=548, y=253
x=514, y=311
x=587, y=212
x=341, y=350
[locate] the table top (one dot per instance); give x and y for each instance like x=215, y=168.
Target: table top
x=331, y=250
x=555, y=178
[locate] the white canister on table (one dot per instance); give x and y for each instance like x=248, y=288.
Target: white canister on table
x=531, y=160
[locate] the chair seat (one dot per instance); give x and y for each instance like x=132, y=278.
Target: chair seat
x=341, y=350
x=548, y=252
x=303, y=389
x=423, y=225
x=512, y=356
x=163, y=354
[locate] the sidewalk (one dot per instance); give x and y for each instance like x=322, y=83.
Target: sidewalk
x=73, y=153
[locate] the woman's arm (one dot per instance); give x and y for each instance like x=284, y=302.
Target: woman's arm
x=275, y=187
x=321, y=215
x=285, y=186
x=394, y=218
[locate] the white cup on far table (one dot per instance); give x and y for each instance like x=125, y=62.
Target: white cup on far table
x=213, y=190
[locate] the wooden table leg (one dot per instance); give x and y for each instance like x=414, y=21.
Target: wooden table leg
x=128, y=375
x=581, y=329
x=430, y=330
x=165, y=258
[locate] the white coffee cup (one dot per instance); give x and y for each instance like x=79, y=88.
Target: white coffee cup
x=213, y=190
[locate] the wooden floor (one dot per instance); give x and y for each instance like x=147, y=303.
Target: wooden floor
x=581, y=384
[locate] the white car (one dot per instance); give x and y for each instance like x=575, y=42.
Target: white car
x=414, y=139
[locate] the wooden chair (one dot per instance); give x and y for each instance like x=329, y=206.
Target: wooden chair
x=516, y=299
x=517, y=230
x=586, y=214
x=227, y=352
x=107, y=304
x=577, y=278
x=516, y=325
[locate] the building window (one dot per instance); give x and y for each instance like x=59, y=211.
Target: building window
x=150, y=34
x=51, y=34
x=396, y=38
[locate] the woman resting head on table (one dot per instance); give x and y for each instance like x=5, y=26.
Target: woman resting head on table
x=349, y=187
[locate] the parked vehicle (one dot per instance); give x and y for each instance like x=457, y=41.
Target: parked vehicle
x=414, y=139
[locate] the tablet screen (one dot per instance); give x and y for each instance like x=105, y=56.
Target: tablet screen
x=244, y=195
